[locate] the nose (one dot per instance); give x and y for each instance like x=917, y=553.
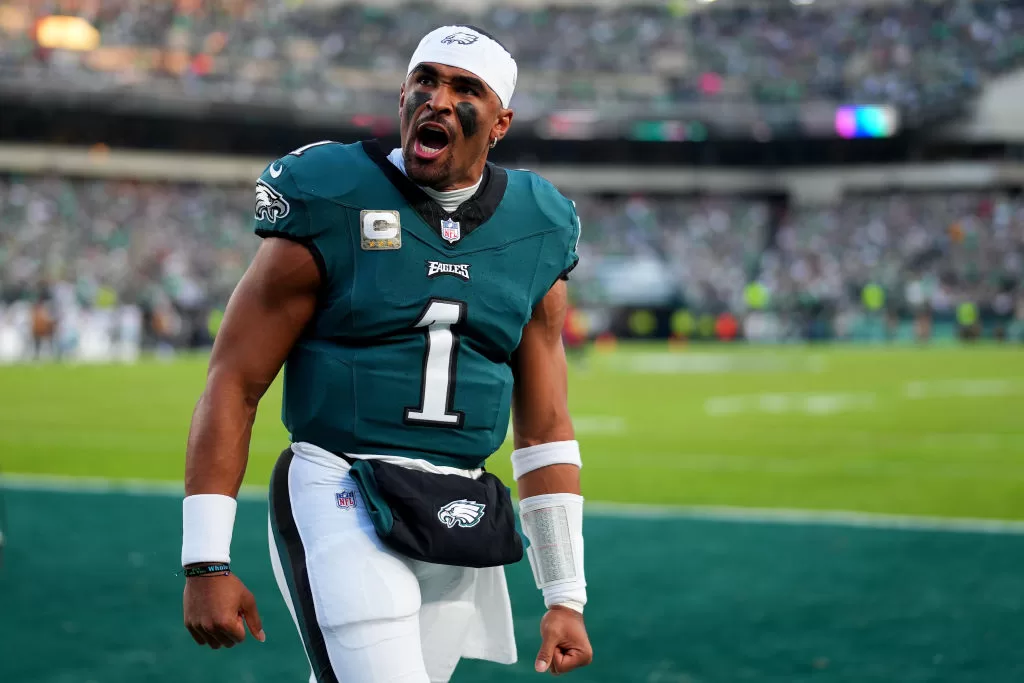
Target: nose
x=441, y=101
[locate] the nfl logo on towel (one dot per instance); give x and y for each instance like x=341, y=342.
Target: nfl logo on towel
x=450, y=230
x=346, y=500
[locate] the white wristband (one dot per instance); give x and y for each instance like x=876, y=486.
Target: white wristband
x=532, y=458
x=207, y=521
x=553, y=523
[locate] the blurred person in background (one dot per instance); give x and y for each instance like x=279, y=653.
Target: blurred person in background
x=575, y=335
x=44, y=325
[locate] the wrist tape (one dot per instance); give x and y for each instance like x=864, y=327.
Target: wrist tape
x=553, y=523
x=207, y=521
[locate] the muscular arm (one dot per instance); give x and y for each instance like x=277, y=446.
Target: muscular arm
x=540, y=395
x=268, y=310
x=541, y=416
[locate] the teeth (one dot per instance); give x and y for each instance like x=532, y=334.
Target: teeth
x=428, y=149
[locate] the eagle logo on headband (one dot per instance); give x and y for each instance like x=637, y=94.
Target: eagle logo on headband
x=460, y=38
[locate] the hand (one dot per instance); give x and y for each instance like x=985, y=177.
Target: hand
x=564, y=642
x=215, y=607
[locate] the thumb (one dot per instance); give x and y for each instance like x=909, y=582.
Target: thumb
x=547, y=651
x=252, y=616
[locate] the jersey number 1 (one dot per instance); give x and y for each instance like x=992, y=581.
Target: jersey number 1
x=438, y=389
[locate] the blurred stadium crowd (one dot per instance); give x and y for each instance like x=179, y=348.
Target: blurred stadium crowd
x=176, y=251
x=165, y=256
x=351, y=56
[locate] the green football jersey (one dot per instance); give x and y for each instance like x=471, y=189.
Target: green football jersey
x=420, y=311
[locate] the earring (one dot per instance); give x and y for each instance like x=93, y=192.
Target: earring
x=494, y=143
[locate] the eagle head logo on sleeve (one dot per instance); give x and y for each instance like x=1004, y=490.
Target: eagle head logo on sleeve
x=464, y=513
x=270, y=204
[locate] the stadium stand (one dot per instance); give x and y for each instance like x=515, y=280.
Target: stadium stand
x=176, y=250
x=811, y=245
x=918, y=56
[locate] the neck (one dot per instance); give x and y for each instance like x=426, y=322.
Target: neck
x=472, y=178
x=451, y=197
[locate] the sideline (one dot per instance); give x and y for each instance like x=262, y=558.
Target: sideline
x=715, y=513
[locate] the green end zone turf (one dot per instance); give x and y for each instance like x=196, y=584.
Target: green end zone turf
x=89, y=593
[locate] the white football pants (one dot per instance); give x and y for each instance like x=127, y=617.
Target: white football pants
x=365, y=613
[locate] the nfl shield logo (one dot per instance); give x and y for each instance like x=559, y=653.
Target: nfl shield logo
x=346, y=500
x=450, y=230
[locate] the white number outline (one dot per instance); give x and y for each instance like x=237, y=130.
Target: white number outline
x=417, y=416
x=301, y=150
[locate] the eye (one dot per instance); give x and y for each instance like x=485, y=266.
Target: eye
x=425, y=80
x=466, y=90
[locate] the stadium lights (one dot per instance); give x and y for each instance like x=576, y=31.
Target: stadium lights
x=66, y=33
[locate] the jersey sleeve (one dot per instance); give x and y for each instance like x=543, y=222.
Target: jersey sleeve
x=282, y=210
x=572, y=258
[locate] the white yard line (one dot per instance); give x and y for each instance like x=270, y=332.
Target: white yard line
x=716, y=513
x=702, y=363
x=963, y=388
x=779, y=403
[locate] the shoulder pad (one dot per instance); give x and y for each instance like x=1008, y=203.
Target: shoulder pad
x=320, y=169
x=552, y=203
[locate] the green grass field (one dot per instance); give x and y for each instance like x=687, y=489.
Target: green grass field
x=88, y=592
x=935, y=431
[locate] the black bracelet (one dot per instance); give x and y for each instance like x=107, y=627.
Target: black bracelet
x=208, y=569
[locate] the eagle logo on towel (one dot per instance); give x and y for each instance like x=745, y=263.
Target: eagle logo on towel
x=460, y=38
x=464, y=513
x=270, y=204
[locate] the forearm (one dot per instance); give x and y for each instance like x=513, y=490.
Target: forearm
x=546, y=453
x=218, y=442
x=265, y=316
x=546, y=461
x=560, y=478
x=215, y=460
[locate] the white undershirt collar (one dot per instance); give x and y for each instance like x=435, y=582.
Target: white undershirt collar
x=449, y=200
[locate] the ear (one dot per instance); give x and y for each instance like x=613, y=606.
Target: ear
x=401, y=98
x=501, y=126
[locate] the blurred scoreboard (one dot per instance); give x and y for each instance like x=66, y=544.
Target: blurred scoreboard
x=866, y=122
x=700, y=121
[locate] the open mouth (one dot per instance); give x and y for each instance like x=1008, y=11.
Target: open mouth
x=431, y=141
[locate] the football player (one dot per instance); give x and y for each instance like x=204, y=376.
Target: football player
x=415, y=298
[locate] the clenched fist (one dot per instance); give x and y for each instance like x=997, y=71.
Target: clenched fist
x=564, y=642
x=215, y=608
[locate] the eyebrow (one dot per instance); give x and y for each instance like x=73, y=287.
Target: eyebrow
x=425, y=70
x=470, y=81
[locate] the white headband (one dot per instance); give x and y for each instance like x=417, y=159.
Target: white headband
x=465, y=48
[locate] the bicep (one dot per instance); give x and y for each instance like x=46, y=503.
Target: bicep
x=272, y=304
x=540, y=392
